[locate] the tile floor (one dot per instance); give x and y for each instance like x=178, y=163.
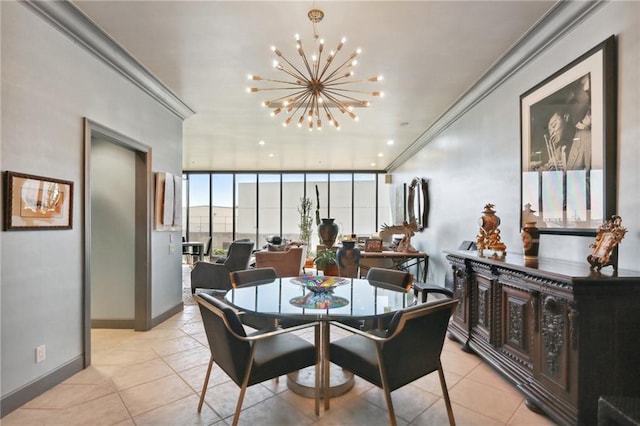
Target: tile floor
x=155, y=378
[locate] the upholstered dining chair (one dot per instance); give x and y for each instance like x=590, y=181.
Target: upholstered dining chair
x=409, y=349
x=383, y=277
x=252, y=359
x=257, y=276
x=251, y=277
x=216, y=275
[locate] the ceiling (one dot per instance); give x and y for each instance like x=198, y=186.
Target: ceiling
x=429, y=52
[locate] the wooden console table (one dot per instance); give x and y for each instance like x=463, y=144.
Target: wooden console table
x=563, y=334
x=401, y=261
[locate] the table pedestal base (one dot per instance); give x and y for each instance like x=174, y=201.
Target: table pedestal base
x=303, y=382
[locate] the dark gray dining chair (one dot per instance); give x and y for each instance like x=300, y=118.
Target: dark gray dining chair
x=257, y=276
x=383, y=277
x=409, y=349
x=252, y=359
x=252, y=277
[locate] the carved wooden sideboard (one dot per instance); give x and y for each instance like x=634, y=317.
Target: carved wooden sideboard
x=563, y=334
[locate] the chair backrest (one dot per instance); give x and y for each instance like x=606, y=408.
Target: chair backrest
x=418, y=334
x=239, y=255
x=394, y=278
x=253, y=276
x=207, y=247
x=220, y=323
x=286, y=263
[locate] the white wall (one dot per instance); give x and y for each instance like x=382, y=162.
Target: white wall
x=49, y=84
x=477, y=159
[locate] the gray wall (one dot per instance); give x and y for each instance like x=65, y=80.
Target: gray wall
x=49, y=84
x=112, y=231
x=477, y=159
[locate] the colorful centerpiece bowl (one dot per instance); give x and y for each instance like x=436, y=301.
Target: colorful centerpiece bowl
x=319, y=284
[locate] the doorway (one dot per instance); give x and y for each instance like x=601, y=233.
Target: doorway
x=117, y=232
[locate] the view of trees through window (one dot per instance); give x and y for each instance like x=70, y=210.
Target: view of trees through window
x=230, y=206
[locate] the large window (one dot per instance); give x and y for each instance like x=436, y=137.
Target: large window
x=230, y=206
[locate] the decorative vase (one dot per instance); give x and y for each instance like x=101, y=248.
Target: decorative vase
x=327, y=232
x=489, y=220
x=530, y=240
x=348, y=259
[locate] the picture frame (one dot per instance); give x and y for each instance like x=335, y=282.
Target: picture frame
x=167, y=202
x=36, y=202
x=373, y=244
x=568, y=145
x=609, y=235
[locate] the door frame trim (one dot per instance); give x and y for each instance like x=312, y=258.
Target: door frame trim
x=143, y=209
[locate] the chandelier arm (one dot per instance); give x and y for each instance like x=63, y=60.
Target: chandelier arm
x=336, y=81
x=281, y=98
x=333, y=57
x=339, y=102
x=300, y=74
x=303, y=54
x=296, y=83
x=295, y=74
x=327, y=110
x=340, y=99
x=299, y=105
x=340, y=67
x=339, y=92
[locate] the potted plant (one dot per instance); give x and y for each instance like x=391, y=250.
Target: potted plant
x=306, y=221
x=327, y=261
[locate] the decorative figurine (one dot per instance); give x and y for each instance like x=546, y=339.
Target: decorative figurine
x=489, y=235
x=609, y=235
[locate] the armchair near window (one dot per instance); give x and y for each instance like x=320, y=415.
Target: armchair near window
x=408, y=350
x=216, y=275
x=286, y=263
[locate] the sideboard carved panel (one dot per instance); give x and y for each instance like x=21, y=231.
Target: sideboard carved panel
x=561, y=333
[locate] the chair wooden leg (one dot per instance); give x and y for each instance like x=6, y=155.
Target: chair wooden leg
x=243, y=388
x=385, y=387
x=445, y=395
x=318, y=372
x=206, y=383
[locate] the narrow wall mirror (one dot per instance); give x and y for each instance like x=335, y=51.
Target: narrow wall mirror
x=418, y=203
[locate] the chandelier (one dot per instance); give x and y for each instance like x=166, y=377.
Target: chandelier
x=319, y=87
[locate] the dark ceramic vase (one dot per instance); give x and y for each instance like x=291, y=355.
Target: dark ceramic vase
x=348, y=259
x=530, y=240
x=327, y=232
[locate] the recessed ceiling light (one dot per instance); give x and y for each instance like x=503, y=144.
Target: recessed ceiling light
x=380, y=154
x=261, y=143
x=373, y=164
x=271, y=155
x=390, y=142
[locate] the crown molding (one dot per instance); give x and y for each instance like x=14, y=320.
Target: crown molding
x=561, y=18
x=68, y=19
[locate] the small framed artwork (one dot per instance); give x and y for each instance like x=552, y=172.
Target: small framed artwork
x=36, y=202
x=568, y=142
x=373, y=244
x=609, y=235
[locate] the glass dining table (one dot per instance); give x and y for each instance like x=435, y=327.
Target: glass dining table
x=323, y=299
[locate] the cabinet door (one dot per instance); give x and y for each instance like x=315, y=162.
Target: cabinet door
x=553, y=367
x=516, y=338
x=461, y=292
x=482, y=308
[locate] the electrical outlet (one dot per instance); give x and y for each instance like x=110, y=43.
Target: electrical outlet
x=41, y=353
x=172, y=249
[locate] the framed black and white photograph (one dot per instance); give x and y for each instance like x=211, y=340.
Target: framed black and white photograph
x=568, y=142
